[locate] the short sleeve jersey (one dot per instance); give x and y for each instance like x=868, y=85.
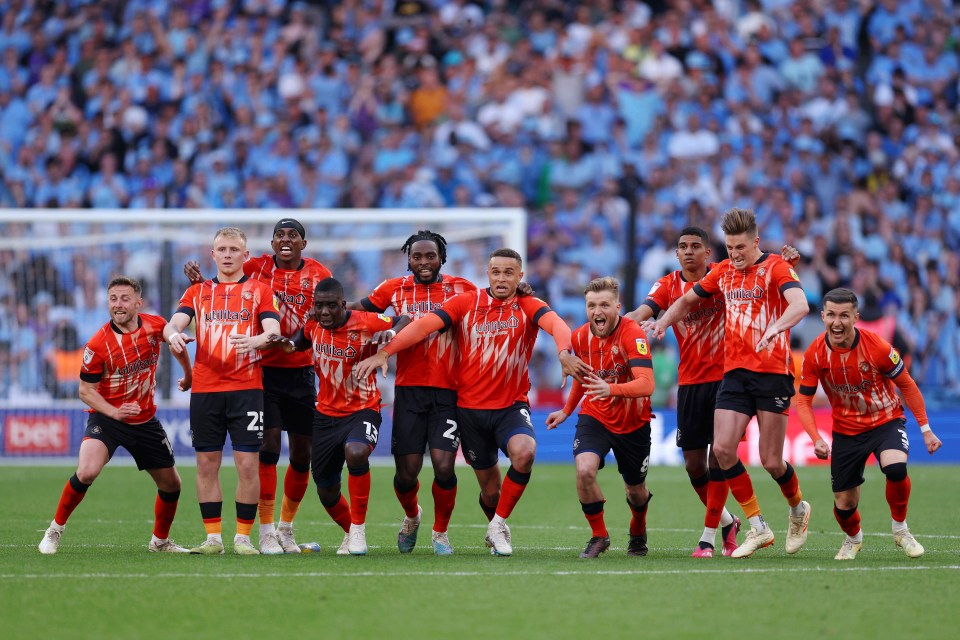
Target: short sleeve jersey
x=857, y=381
x=754, y=298
x=433, y=362
x=495, y=342
x=221, y=309
x=125, y=364
x=613, y=358
x=294, y=293
x=699, y=333
x=335, y=353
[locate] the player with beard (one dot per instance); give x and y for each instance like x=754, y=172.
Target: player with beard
x=615, y=414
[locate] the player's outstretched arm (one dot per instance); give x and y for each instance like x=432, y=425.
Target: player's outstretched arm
x=790, y=254
x=245, y=344
x=173, y=332
x=641, y=386
x=416, y=332
x=797, y=309
x=640, y=314
x=186, y=381
x=677, y=310
x=92, y=398
x=569, y=363
x=556, y=418
x=914, y=401
x=191, y=269
x=385, y=337
x=809, y=422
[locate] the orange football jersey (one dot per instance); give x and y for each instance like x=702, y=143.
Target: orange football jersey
x=495, y=343
x=221, y=309
x=754, y=299
x=335, y=352
x=699, y=333
x=294, y=293
x=433, y=362
x=125, y=364
x=857, y=381
x=612, y=359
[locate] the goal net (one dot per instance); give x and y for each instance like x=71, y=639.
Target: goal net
x=55, y=264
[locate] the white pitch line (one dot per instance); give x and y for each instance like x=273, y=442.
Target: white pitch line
x=468, y=574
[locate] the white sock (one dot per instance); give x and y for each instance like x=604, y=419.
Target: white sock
x=58, y=527
x=726, y=518
x=155, y=539
x=497, y=520
x=354, y=527
x=857, y=538
x=758, y=523
x=797, y=510
x=267, y=529
x=899, y=526
x=285, y=525
x=709, y=535
x=215, y=536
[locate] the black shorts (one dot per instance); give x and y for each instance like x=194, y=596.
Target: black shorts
x=330, y=436
x=850, y=453
x=748, y=392
x=483, y=431
x=239, y=413
x=695, y=405
x=632, y=450
x=146, y=442
x=289, y=395
x=424, y=416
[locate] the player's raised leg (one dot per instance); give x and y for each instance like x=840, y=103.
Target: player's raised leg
x=591, y=503
x=773, y=431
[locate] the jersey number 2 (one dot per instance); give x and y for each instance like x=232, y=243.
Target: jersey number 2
x=256, y=421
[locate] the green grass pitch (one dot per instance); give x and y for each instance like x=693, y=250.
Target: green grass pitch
x=104, y=584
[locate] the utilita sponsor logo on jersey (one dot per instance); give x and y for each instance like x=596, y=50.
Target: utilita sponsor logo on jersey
x=612, y=374
x=137, y=366
x=289, y=298
x=852, y=389
x=706, y=312
x=225, y=315
x=495, y=326
x=334, y=351
x=422, y=307
x=745, y=294
x=38, y=434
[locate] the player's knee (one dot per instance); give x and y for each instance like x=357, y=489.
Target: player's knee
x=896, y=472
x=356, y=454
x=586, y=471
x=774, y=467
x=638, y=495
x=522, y=459
x=87, y=474
x=329, y=496
x=271, y=441
x=725, y=455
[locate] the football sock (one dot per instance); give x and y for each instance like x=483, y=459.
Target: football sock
x=266, y=505
x=593, y=511
x=700, y=485
x=638, y=519
x=295, y=483
x=444, y=498
x=898, y=490
x=738, y=480
x=73, y=492
x=358, y=484
x=211, y=513
x=407, y=497
x=488, y=510
x=848, y=519
x=164, y=509
x=340, y=512
x=246, y=515
x=790, y=488
x=513, y=487
x=717, y=492
x=708, y=537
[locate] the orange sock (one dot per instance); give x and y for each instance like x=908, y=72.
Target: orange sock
x=340, y=513
x=511, y=491
x=268, y=486
x=72, y=494
x=444, y=498
x=742, y=489
x=407, y=497
x=295, y=483
x=717, y=492
x=358, y=484
x=790, y=486
x=593, y=512
x=164, y=509
x=246, y=515
x=212, y=522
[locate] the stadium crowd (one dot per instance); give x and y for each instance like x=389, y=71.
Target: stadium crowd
x=835, y=121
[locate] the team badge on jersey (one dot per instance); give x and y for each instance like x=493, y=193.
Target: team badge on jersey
x=614, y=349
x=305, y=283
x=247, y=295
x=87, y=355
x=353, y=336
x=760, y=272
x=793, y=274
x=865, y=366
x=642, y=348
